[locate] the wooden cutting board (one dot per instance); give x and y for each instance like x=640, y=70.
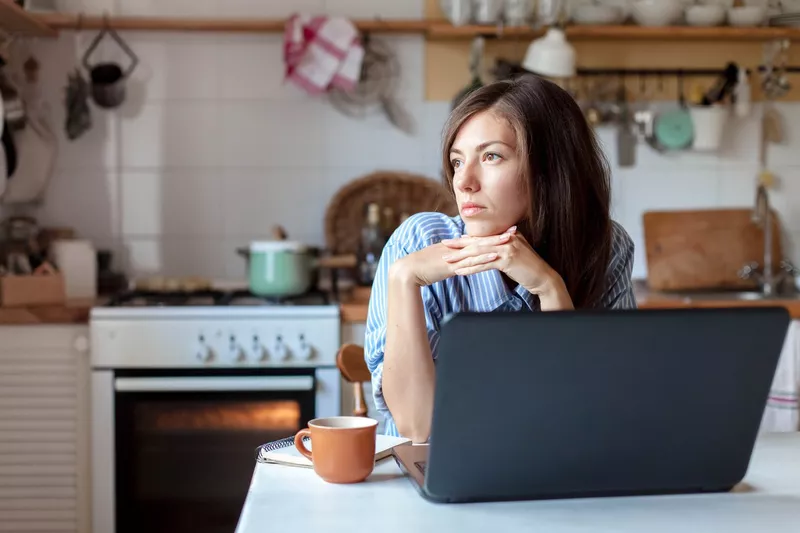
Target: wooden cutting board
x=704, y=249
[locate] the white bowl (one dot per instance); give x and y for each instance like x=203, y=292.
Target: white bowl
x=623, y=5
x=657, y=12
x=596, y=14
x=790, y=6
x=705, y=15
x=746, y=16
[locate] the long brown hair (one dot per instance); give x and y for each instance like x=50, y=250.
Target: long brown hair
x=566, y=178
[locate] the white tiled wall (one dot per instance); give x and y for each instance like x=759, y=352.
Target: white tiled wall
x=212, y=148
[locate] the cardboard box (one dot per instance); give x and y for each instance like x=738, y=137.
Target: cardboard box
x=45, y=288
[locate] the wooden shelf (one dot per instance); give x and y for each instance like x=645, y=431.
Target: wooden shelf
x=68, y=21
x=17, y=21
x=444, y=31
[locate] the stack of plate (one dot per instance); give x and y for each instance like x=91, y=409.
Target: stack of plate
x=787, y=19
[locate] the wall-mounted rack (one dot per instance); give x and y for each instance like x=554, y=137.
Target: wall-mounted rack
x=445, y=31
x=666, y=72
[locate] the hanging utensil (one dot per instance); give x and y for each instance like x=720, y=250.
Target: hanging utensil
x=13, y=106
x=674, y=129
x=645, y=117
x=775, y=83
x=475, y=67
x=78, y=116
x=108, y=79
x=626, y=139
x=376, y=87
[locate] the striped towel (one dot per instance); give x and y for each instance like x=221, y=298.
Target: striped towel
x=781, y=413
x=322, y=52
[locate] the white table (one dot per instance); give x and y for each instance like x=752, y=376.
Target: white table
x=282, y=497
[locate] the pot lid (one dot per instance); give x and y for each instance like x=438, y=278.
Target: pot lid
x=278, y=246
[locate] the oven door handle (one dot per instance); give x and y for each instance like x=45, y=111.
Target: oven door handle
x=218, y=384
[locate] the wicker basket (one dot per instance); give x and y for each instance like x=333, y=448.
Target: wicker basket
x=403, y=192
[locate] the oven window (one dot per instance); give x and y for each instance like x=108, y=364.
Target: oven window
x=185, y=460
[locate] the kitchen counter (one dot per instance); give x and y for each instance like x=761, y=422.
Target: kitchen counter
x=648, y=299
x=290, y=497
x=355, y=310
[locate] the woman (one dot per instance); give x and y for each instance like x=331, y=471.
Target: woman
x=534, y=234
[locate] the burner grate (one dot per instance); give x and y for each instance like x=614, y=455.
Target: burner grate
x=140, y=298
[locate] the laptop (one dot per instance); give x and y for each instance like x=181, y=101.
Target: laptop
x=596, y=403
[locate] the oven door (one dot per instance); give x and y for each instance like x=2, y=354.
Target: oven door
x=185, y=442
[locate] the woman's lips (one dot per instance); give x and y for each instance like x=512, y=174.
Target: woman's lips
x=470, y=209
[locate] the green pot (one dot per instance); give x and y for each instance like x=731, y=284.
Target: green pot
x=280, y=268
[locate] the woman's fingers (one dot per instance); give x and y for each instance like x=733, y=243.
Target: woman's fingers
x=471, y=251
x=464, y=242
x=466, y=271
x=475, y=261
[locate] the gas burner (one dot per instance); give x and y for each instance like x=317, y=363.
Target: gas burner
x=215, y=298
x=247, y=298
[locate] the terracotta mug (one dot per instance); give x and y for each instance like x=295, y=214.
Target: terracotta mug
x=343, y=447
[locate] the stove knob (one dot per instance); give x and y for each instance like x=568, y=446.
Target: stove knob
x=281, y=351
x=306, y=350
x=204, y=353
x=258, y=350
x=235, y=352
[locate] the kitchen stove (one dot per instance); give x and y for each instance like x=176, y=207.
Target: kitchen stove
x=185, y=386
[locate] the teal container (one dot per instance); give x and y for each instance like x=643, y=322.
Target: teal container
x=279, y=268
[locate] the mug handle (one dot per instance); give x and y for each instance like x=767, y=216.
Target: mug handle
x=298, y=443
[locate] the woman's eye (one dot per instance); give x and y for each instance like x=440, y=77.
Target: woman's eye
x=455, y=163
x=493, y=157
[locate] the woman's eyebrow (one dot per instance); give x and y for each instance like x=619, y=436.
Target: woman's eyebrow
x=480, y=147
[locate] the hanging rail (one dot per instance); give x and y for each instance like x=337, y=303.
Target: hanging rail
x=668, y=72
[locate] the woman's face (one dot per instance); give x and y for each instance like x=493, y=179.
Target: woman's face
x=490, y=194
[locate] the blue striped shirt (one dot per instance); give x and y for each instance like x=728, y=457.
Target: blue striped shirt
x=481, y=292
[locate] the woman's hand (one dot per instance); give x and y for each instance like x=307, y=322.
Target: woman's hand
x=512, y=256
x=427, y=266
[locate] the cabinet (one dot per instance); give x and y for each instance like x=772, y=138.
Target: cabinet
x=44, y=416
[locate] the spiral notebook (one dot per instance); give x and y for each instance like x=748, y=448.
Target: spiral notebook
x=283, y=451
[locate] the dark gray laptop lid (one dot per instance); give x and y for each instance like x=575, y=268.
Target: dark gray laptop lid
x=588, y=403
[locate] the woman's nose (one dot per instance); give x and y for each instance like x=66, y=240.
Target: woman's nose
x=467, y=180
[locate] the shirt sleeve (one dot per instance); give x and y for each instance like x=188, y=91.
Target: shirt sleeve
x=619, y=294
x=375, y=337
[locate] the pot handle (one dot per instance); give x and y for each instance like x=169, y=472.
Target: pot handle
x=122, y=44
x=244, y=252
x=337, y=261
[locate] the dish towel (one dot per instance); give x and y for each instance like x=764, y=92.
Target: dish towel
x=781, y=413
x=322, y=52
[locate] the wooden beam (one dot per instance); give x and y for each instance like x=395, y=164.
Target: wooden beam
x=70, y=21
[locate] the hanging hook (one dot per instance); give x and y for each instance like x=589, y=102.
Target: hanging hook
x=681, y=94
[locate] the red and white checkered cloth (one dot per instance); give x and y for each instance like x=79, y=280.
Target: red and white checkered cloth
x=322, y=52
